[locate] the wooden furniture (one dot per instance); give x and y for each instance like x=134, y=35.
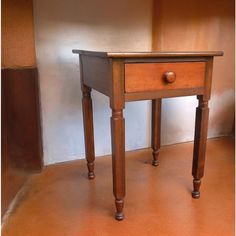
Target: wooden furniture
x=126, y=77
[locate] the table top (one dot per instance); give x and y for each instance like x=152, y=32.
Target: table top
x=152, y=54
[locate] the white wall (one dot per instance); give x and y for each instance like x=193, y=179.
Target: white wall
x=96, y=25
x=85, y=24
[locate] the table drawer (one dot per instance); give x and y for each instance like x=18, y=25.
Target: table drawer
x=141, y=77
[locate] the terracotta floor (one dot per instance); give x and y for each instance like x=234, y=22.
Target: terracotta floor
x=62, y=201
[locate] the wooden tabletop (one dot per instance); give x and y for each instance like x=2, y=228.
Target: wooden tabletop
x=149, y=54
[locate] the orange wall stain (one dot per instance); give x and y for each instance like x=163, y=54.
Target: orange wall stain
x=18, y=46
x=202, y=25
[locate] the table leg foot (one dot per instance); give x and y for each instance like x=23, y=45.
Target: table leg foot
x=119, y=209
x=196, y=186
x=155, y=161
x=91, y=174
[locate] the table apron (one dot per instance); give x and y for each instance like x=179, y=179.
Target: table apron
x=163, y=94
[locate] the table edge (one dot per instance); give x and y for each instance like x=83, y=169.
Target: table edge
x=153, y=54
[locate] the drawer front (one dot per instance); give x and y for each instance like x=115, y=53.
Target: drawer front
x=143, y=77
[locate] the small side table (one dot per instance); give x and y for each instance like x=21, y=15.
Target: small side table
x=126, y=77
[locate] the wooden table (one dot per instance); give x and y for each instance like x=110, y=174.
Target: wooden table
x=126, y=77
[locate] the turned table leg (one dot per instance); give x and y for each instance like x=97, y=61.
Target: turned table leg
x=88, y=130
x=156, y=130
x=118, y=160
x=201, y=125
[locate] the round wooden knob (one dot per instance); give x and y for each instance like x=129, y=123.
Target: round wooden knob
x=169, y=76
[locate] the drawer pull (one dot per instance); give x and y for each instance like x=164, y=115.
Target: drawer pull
x=169, y=77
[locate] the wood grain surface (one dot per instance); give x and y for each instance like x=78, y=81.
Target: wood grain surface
x=140, y=77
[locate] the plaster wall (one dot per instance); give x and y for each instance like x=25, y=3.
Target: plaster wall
x=61, y=26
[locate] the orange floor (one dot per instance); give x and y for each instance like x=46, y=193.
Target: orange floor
x=62, y=201
x=12, y=181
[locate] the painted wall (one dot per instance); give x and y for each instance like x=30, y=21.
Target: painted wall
x=198, y=25
x=61, y=26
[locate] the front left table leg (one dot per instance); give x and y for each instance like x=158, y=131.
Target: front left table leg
x=118, y=160
x=88, y=130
